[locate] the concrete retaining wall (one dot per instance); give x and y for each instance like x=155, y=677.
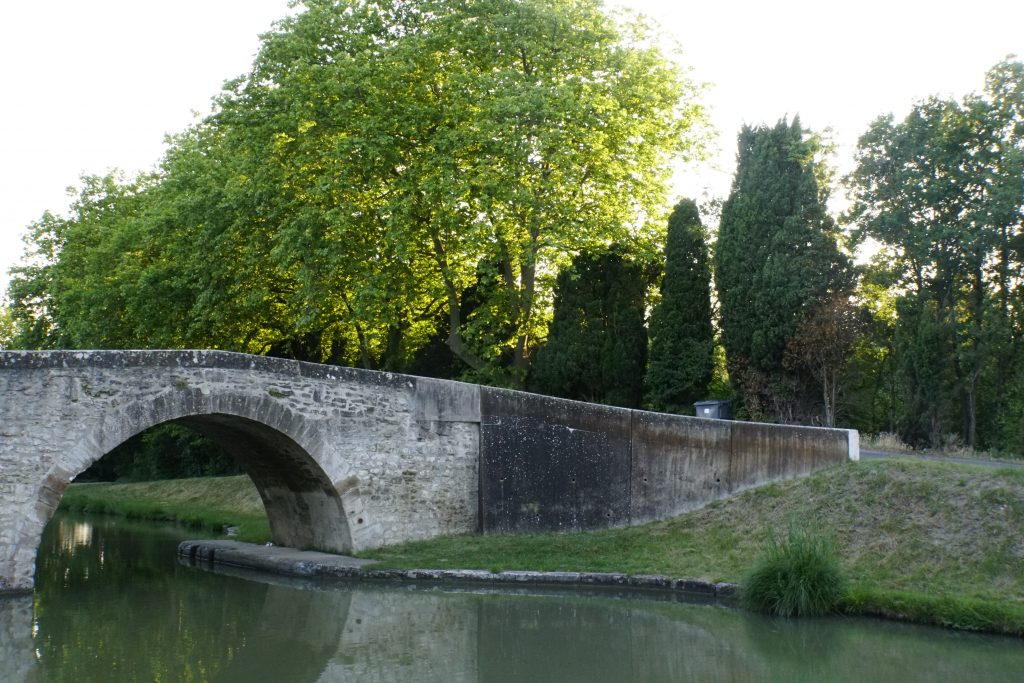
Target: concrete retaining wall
x=549, y=464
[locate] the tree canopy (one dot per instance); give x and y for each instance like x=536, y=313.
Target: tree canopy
x=942, y=192
x=597, y=344
x=377, y=162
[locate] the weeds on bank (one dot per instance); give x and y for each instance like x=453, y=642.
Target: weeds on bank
x=952, y=611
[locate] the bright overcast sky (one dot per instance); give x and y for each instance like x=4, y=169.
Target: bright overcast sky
x=91, y=85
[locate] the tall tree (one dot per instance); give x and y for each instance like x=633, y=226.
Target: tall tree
x=821, y=346
x=597, y=342
x=941, y=191
x=776, y=260
x=682, y=337
x=75, y=286
x=344, y=191
x=415, y=140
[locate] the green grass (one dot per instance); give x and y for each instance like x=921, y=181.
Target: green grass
x=931, y=542
x=209, y=503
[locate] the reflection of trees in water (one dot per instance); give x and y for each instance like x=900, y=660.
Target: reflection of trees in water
x=123, y=609
x=598, y=640
x=115, y=607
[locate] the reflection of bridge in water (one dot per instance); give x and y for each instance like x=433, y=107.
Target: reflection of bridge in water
x=347, y=460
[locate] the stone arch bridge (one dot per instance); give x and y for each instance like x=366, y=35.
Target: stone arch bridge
x=347, y=460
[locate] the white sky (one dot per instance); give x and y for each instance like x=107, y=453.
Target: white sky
x=91, y=85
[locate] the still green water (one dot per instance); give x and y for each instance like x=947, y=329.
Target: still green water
x=113, y=604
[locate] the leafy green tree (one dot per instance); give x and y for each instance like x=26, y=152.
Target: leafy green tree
x=873, y=401
x=167, y=451
x=597, y=342
x=345, y=190
x=821, y=346
x=941, y=192
x=411, y=141
x=776, y=260
x=7, y=328
x=75, y=286
x=682, y=337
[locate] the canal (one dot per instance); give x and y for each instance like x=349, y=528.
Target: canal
x=112, y=604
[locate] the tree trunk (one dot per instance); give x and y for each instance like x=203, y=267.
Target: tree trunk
x=455, y=341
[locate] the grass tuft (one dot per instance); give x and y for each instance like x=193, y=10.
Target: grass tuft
x=798, y=576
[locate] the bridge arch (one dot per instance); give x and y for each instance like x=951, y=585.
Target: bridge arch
x=344, y=459
x=303, y=507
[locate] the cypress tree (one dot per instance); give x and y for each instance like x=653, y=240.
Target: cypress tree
x=682, y=337
x=597, y=342
x=776, y=260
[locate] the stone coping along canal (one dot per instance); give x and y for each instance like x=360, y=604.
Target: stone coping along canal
x=312, y=564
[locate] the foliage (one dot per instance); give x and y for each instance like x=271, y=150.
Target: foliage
x=798, y=576
x=167, y=451
x=776, y=261
x=682, y=338
x=821, y=345
x=872, y=401
x=941, y=192
x=344, y=193
x=6, y=328
x=72, y=288
x=597, y=341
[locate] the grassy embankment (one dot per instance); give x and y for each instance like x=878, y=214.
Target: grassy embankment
x=210, y=503
x=930, y=542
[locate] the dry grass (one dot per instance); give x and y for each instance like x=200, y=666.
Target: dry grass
x=950, y=446
x=884, y=441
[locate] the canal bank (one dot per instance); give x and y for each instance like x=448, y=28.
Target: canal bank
x=112, y=604
x=926, y=542
x=312, y=564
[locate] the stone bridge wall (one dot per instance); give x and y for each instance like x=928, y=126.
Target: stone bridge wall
x=348, y=459
x=344, y=459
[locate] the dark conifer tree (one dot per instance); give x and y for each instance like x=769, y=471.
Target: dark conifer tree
x=682, y=336
x=776, y=260
x=597, y=342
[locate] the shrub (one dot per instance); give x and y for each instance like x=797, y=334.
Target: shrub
x=799, y=576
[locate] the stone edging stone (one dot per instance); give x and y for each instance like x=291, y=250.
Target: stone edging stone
x=310, y=564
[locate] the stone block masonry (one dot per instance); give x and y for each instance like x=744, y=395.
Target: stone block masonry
x=346, y=459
